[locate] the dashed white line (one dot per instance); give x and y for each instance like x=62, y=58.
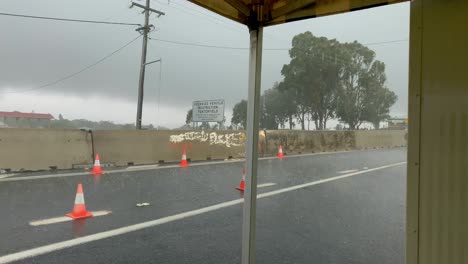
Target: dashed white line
x=347, y=171
x=23, y=178
x=300, y=186
x=268, y=184
x=63, y=219
x=143, y=167
x=132, y=228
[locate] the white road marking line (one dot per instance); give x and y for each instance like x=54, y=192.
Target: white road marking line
x=266, y=184
x=132, y=228
x=45, y=176
x=347, y=171
x=38, y=177
x=111, y=233
x=300, y=186
x=141, y=167
x=308, y=154
x=63, y=219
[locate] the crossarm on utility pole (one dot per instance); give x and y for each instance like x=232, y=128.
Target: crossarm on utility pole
x=148, y=8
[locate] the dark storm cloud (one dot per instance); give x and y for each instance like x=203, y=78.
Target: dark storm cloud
x=36, y=52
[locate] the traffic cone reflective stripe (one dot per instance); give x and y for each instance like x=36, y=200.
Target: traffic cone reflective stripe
x=183, y=161
x=97, y=166
x=79, y=209
x=280, y=152
x=242, y=183
x=79, y=198
x=97, y=163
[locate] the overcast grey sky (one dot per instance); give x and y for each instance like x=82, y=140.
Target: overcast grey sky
x=35, y=52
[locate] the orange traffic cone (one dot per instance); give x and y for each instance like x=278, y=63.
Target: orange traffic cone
x=280, y=152
x=79, y=209
x=97, y=166
x=183, y=161
x=242, y=183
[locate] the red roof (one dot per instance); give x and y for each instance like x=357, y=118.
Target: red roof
x=26, y=115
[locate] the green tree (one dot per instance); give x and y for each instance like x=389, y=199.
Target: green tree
x=220, y=125
x=205, y=126
x=379, y=107
x=288, y=107
x=128, y=126
x=274, y=108
x=325, y=95
x=64, y=123
x=297, y=98
x=239, y=114
x=313, y=76
x=268, y=110
x=379, y=98
x=283, y=104
x=189, y=117
x=363, y=78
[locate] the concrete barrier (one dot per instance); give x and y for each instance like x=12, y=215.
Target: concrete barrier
x=295, y=141
x=43, y=149
x=149, y=146
x=371, y=139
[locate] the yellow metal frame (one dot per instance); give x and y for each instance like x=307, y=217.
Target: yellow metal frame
x=273, y=12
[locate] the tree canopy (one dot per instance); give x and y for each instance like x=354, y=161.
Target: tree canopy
x=239, y=114
x=188, y=117
x=325, y=79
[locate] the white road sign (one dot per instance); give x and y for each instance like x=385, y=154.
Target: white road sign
x=208, y=111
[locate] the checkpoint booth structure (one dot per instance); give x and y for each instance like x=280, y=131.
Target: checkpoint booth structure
x=437, y=179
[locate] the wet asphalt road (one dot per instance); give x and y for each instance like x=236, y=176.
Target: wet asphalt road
x=359, y=219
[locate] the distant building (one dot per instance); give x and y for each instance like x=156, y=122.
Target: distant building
x=26, y=120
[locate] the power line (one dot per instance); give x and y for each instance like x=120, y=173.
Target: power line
x=386, y=42
x=266, y=35
x=329, y=58
x=198, y=45
x=243, y=48
x=215, y=19
x=78, y=72
x=70, y=19
x=207, y=17
x=205, y=14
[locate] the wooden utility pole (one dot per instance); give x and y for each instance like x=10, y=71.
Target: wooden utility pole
x=144, y=30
